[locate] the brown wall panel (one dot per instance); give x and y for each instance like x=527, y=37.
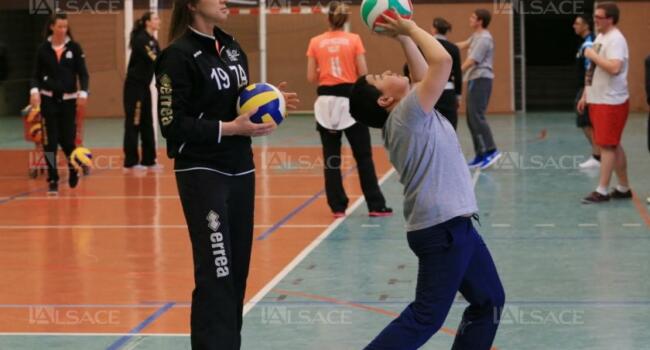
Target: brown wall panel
x=635, y=26
x=102, y=38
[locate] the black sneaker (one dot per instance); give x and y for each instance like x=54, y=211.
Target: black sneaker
x=595, y=198
x=52, y=188
x=73, y=178
x=385, y=211
x=85, y=170
x=616, y=194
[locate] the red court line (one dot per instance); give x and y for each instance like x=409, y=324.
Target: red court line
x=376, y=310
x=641, y=209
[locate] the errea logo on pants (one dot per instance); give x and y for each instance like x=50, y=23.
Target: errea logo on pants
x=218, y=248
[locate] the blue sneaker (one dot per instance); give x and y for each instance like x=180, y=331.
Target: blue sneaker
x=490, y=159
x=478, y=160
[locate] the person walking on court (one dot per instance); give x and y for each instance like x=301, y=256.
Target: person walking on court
x=439, y=200
x=480, y=75
x=199, y=77
x=582, y=25
x=60, y=65
x=334, y=60
x=138, y=123
x=607, y=97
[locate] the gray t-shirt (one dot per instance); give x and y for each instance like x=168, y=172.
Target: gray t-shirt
x=424, y=149
x=481, y=50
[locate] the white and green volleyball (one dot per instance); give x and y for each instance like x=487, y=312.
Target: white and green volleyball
x=371, y=11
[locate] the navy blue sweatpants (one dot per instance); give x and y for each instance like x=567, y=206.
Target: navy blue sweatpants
x=452, y=257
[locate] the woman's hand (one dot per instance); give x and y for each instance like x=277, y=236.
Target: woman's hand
x=396, y=26
x=242, y=125
x=291, y=98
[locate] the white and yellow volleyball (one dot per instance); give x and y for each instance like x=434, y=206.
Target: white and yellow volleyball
x=269, y=101
x=81, y=157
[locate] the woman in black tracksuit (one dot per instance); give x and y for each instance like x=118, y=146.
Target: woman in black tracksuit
x=448, y=102
x=137, y=95
x=199, y=77
x=60, y=65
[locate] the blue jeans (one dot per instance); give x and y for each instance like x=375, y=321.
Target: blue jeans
x=452, y=257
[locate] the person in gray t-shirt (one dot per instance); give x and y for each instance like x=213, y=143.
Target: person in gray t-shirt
x=479, y=74
x=439, y=200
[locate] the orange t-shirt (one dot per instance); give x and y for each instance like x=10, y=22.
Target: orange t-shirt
x=335, y=53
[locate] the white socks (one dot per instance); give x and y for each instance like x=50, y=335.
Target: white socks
x=623, y=189
x=602, y=190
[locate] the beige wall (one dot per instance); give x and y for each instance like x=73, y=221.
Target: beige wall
x=288, y=36
x=635, y=25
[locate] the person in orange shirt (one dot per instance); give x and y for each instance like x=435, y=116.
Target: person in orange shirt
x=335, y=59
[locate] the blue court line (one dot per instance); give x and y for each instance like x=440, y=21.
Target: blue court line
x=124, y=339
x=296, y=210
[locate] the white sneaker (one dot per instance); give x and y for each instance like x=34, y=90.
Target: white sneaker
x=156, y=167
x=648, y=200
x=590, y=163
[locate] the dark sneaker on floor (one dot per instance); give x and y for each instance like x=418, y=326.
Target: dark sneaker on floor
x=476, y=162
x=52, y=188
x=338, y=214
x=86, y=170
x=73, y=178
x=594, y=198
x=381, y=212
x=616, y=194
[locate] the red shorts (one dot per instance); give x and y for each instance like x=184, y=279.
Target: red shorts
x=608, y=122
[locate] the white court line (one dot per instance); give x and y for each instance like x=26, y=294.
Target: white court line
x=475, y=177
x=544, y=225
x=631, y=225
x=587, y=225
x=303, y=254
x=36, y=227
x=27, y=198
x=369, y=225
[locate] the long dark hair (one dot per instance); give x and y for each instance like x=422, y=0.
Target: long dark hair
x=337, y=14
x=47, y=31
x=181, y=18
x=139, y=26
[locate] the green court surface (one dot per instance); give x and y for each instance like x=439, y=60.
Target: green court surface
x=576, y=276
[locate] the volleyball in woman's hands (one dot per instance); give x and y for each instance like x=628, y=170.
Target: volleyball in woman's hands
x=269, y=101
x=372, y=11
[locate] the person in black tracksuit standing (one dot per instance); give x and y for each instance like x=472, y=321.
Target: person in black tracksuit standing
x=199, y=77
x=60, y=65
x=448, y=103
x=137, y=95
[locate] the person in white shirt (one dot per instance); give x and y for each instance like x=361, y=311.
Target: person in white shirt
x=607, y=96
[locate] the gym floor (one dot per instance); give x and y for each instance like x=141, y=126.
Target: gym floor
x=108, y=265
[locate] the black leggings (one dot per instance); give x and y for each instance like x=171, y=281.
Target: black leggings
x=138, y=122
x=60, y=129
x=219, y=214
x=359, y=137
